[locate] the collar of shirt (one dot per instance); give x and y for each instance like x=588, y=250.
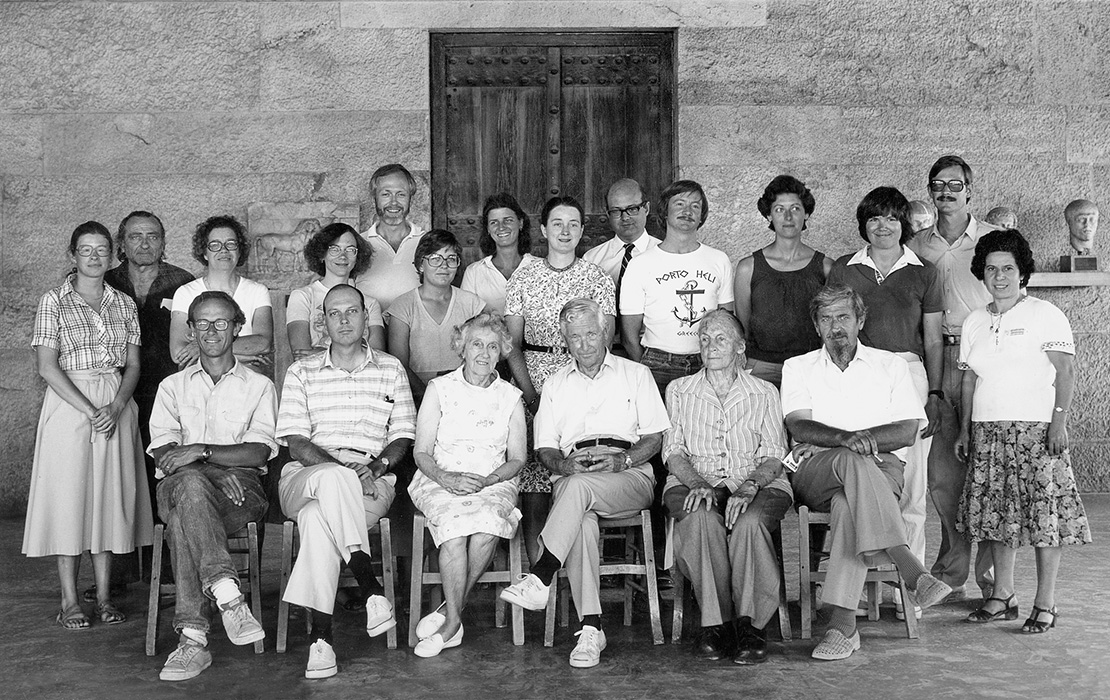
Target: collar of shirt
x=863, y=257
x=740, y=388
x=236, y=371
x=974, y=231
x=369, y=359
x=414, y=231
x=863, y=354
x=67, y=288
x=607, y=362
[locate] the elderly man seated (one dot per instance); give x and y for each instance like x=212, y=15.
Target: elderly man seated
x=723, y=452
x=211, y=432
x=600, y=420
x=347, y=416
x=852, y=411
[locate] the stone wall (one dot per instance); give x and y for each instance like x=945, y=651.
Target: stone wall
x=195, y=108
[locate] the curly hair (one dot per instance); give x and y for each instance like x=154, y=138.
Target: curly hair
x=1009, y=241
x=785, y=184
x=885, y=201
x=683, y=187
x=237, y=315
x=206, y=227
x=485, y=321
x=504, y=200
x=316, y=249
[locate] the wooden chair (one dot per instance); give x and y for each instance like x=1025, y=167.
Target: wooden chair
x=809, y=523
x=638, y=561
x=290, y=543
x=421, y=577
x=244, y=549
x=679, y=592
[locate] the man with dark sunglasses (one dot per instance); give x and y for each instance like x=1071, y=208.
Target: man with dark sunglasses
x=949, y=244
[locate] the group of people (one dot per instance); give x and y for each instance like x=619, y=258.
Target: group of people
x=548, y=392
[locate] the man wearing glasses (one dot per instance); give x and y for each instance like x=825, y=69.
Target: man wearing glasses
x=950, y=244
x=393, y=236
x=627, y=209
x=211, y=432
x=347, y=416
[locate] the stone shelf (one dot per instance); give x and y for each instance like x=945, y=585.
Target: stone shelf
x=1069, y=279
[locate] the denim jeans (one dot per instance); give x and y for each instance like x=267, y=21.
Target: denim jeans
x=199, y=517
x=667, y=366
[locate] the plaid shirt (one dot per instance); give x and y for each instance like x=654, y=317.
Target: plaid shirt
x=363, y=410
x=84, y=338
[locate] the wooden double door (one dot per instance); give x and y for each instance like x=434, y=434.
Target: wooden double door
x=544, y=114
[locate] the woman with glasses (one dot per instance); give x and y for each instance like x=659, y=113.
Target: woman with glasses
x=505, y=241
x=220, y=244
x=336, y=253
x=774, y=285
x=535, y=295
x=88, y=481
x=422, y=321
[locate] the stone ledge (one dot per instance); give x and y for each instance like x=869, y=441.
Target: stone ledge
x=552, y=14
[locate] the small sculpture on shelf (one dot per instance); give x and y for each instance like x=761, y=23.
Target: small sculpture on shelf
x=1002, y=217
x=1081, y=216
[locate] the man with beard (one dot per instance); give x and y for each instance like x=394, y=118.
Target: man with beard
x=852, y=411
x=1082, y=218
x=949, y=244
x=393, y=236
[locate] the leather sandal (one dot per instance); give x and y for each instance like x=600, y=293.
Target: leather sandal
x=73, y=618
x=1009, y=611
x=1035, y=625
x=109, y=614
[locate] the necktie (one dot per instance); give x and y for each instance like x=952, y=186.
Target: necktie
x=628, y=248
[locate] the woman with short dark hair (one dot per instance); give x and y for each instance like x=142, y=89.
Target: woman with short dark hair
x=505, y=241
x=1017, y=359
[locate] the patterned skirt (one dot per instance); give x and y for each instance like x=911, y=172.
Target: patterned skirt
x=535, y=478
x=1016, y=492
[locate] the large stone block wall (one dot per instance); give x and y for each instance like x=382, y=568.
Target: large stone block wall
x=196, y=108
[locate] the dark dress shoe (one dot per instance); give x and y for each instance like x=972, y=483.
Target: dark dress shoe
x=752, y=648
x=712, y=643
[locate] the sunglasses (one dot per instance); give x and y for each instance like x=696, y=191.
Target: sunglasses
x=952, y=185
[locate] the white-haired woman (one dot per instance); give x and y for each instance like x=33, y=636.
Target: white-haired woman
x=470, y=446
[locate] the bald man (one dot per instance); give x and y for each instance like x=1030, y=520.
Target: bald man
x=1082, y=218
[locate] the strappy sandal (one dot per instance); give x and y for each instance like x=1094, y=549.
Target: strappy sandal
x=109, y=614
x=1034, y=625
x=1009, y=611
x=73, y=618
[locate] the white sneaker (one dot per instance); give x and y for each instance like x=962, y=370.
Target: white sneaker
x=379, y=615
x=187, y=661
x=321, y=661
x=239, y=623
x=587, y=653
x=528, y=593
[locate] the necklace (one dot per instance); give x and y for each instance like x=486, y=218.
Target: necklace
x=996, y=318
x=559, y=269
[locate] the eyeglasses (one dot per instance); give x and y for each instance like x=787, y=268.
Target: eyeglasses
x=620, y=213
x=335, y=251
x=438, y=260
x=953, y=185
x=86, y=251
x=217, y=246
x=220, y=324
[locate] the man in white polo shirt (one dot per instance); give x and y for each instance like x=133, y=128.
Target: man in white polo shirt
x=852, y=411
x=600, y=420
x=393, y=236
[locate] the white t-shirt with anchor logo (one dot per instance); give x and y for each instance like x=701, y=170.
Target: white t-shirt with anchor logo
x=673, y=291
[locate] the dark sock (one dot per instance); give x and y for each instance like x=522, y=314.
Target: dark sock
x=592, y=620
x=546, y=568
x=908, y=565
x=360, y=566
x=843, y=619
x=320, y=627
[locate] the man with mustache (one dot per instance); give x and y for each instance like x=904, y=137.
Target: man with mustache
x=949, y=244
x=852, y=411
x=393, y=237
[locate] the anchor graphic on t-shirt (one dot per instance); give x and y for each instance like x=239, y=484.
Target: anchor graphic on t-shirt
x=686, y=296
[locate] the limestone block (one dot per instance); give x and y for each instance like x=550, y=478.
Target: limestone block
x=192, y=142
x=63, y=57
x=1090, y=414
x=20, y=144
x=1072, y=43
x=15, y=480
x=17, y=320
x=1088, y=134
x=556, y=14
x=742, y=134
x=1086, y=309
x=309, y=63
x=1091, y=463
x=20, y=401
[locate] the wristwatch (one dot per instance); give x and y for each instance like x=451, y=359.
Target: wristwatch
x=937, y=393
x=627, y=461
x=207, y=454
x=385, y=461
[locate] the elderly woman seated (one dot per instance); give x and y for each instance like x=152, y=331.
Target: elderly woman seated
x=470, y=445
x=723, y=453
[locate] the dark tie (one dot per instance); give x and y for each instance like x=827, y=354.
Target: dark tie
x=628, y=248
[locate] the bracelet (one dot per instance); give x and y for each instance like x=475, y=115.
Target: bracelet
x=937, y=393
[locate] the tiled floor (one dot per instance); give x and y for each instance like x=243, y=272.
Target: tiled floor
x=950, y=660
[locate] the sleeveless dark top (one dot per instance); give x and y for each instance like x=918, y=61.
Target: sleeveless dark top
x=780, y=327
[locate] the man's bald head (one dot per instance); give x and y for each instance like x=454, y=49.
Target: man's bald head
x=343, y=291
x=627, y=209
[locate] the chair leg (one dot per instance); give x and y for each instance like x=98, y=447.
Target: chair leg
x=152, y=607
x=629, y=587
x=805, y=589
x=286, y=569
x=549, y=615
x=678, y=595
x=516, y=544
x=254, y=573
x=416, y=579
x=652, y=583
x=386, y=533
x=784, y=609
x=907, y=610
x=498, y=604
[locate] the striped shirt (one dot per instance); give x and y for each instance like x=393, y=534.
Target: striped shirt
x=84, y=338
x=725, y=442
x=189, y=409
x=363, y=410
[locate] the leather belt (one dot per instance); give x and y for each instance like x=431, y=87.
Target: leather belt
x=554, y=350
x=951, y=340
x=603, y=442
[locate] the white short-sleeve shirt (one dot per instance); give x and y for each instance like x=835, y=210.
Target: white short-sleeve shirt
x=249, y=295
x=307, y=304
x=484, y=279
x=391, y=273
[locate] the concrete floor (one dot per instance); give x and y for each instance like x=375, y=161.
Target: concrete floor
x=950, y=660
